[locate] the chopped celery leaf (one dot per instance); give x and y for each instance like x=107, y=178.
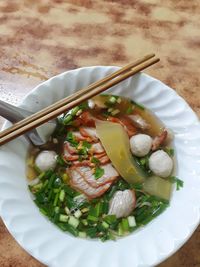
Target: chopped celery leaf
x=99, y=172
x=179, y=183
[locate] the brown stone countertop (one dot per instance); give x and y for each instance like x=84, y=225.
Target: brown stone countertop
x=39, y=39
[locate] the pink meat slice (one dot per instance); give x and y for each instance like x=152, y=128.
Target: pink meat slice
x=159, y=140
x=96, y=148
x=89, y=132
x=83, y=163
x=78, y=182
x=69, y=157
x=104, y=159
x=69, y=148
x=80, y=137
x=110, y=175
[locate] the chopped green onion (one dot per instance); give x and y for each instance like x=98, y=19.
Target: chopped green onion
x=56, y=217
x=110, y=110
x=113, y=99
x=74, y=111
x=119, y=100
x=56, y=200
x=82, y=234
x=138, y=105
x=69, y=191
x=99, y=208
x=110, y=219
x=67, y=210
x=111, y=235
x=65, y=177
x=41, y=175
x=84, y=210
x=69, y=228
x=79, y=112
x=62, y=195
x=125, y=224
x=91, y=232
x=63, y=218
x=84, y=222
x=70, y=203
x=57, y=183
x=56, y=190
x=77, y=214
x=50, y=194
x=115, y=112
x=120, y=230
x=105, y=207
x=84, y=105
x=105, y=225
x=92, y=218
x=131, y=221
x=67, y=119
x=43, y=211
x=52, y=178
x=45, y=185
x=37, y=186
x=73, y=221
x=56, y=209
x=37, y=169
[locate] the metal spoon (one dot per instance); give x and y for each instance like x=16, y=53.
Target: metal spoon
x=38, y=136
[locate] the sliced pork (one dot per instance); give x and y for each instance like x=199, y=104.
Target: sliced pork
x=78, y=182
x=89, y=132
x=68, y=156
x=110, y=175
x=159, y=140
x=126, y=123
x=103, y=159
x=80, y=137
x=139, y=121
x=96, y=148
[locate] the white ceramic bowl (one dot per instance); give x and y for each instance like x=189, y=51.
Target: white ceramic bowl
x=149, y=245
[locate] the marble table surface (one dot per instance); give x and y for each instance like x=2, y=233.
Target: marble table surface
x=39, y=39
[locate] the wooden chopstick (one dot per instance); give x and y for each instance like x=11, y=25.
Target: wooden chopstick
x=72, y=97
x=90, y=93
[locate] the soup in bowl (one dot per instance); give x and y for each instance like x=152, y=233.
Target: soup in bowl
x=45, y=219
x=106, y=170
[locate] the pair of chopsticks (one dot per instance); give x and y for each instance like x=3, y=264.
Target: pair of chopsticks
x=75, y=99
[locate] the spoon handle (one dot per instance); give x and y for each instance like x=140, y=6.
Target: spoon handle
x=10, y=112
x=15, y=114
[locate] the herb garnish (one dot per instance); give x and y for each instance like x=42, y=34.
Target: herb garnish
x=129, y=110
x=95, y=160
x=61, y=162
x=138, y=105
x=71, y=139
x=98, y=170
x=174, y=180
x=98, y=173
x=86, y=144
x=169, y=151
